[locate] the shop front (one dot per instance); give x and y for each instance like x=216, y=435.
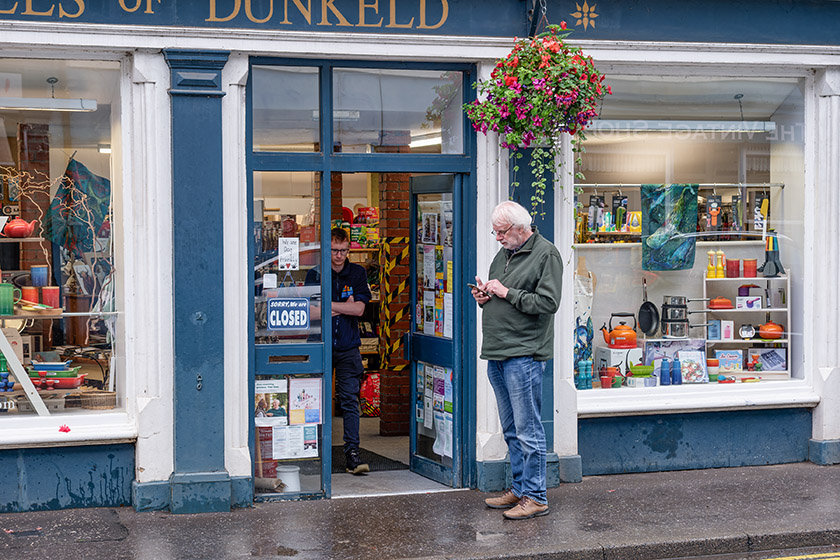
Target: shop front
x=187, y=164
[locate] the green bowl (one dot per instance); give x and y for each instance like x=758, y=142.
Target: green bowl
x=641, y=371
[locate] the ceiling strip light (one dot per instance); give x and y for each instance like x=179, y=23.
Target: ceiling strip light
x=46, y=104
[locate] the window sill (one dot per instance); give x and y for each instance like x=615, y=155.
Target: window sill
x=695, y=398
x=85, y=429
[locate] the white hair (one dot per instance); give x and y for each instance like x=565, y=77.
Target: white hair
x=511, y=213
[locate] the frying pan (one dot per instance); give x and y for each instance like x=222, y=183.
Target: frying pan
x=648, y=314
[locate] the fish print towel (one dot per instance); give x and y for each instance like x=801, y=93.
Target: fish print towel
x=669, y=226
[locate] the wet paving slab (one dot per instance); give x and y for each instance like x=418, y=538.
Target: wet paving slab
x=623, y=517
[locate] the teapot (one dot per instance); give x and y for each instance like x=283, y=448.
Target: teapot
x=621, y=336
x=771, y=330
x=19, y=228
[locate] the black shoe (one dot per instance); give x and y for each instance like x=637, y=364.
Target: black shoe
x=354, y=463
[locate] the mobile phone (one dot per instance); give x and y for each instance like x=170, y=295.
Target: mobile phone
x=471, y=285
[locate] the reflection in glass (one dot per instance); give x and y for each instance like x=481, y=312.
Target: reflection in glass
x=404, y=111
x=287, y=252
x=285, y=109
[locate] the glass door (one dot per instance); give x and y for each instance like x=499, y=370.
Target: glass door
x=435, y=375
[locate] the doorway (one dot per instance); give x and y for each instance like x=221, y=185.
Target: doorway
x=374, y=183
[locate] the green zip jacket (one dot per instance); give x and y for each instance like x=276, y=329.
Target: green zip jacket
x=522, y=324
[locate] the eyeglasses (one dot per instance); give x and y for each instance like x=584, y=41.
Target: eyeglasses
x=502, y=233
x=340, y=251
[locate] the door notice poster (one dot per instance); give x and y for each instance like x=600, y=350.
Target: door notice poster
x=305, y=400
x=271, y=402
x=295, y=442
x=288, y=253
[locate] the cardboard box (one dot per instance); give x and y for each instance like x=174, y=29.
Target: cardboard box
x=771, y=359
x=615, y=357
x=729, y=360
x=727, y=330
x=713, y=329
x=748, y=302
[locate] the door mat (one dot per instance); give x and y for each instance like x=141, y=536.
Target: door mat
x=374, y=460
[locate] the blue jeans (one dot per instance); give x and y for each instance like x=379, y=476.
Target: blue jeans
x=518, y=386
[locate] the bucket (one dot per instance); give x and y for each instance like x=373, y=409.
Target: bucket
x=290, y=476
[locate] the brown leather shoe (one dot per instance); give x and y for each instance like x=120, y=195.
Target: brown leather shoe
x=526, y=509
x=506, y=500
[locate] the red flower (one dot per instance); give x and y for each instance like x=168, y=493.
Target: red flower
x=64, y=428
x=510, y=80
x=562, y=25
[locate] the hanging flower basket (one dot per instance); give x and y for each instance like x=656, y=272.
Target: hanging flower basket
x=542, y=89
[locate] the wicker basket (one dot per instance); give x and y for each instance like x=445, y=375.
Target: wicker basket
x=99, y=400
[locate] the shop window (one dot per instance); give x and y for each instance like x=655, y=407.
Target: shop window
x=57, y=296
x=285, y=115
x=692, y=185
x=403, y=111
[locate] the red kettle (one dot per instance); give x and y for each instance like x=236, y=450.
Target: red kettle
x=621, y=336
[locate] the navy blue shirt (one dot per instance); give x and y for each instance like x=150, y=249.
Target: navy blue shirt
x=351, y=281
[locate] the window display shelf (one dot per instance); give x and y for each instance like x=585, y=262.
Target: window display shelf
x=743, y=279
x=21, y=239
x=765, y=310
x=750, y=341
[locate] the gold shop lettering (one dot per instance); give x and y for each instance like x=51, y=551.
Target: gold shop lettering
x=46, y=8
x=132, y=6
x=370, y=13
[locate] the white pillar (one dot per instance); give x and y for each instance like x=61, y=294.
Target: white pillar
x=825, y=267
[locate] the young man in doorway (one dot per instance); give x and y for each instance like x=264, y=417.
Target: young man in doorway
x=350, y=294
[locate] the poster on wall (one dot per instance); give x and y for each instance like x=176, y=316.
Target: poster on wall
x=305, y=400
x=271, y=402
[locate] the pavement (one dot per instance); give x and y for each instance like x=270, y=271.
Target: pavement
x=733, y=512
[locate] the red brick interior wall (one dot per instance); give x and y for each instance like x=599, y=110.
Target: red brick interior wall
x=394, y=222
x=34, y=158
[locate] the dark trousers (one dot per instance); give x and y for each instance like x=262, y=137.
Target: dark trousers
x=348, y=369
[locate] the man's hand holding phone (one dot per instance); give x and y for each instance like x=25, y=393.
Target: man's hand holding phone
x=478, y=292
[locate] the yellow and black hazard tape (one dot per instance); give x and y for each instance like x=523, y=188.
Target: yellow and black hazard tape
x=388, y=263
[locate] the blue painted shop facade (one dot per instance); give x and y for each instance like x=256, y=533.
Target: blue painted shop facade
x=190, y=159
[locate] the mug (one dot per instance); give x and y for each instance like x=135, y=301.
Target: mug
x=29, y=293
x=8, y=299
x=51, y=296
x=39, y=274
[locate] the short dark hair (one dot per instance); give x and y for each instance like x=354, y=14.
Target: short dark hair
x=339, y=235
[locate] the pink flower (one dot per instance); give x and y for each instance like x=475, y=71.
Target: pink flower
x=64, y=428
